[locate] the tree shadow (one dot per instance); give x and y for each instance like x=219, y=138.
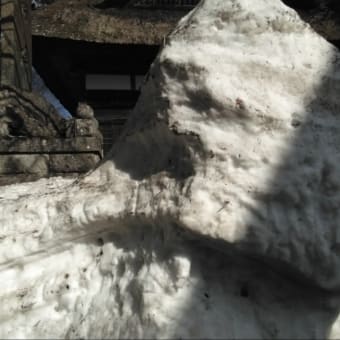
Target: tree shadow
x=225, y=294
x=295, y=205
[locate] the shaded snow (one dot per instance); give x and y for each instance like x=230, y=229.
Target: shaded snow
x=113, y=286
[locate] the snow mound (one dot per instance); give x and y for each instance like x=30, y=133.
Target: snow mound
x=235, y=136
x=215, y=215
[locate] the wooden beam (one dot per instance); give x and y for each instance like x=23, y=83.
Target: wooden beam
x=15, y=44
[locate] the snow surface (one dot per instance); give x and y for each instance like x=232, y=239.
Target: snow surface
x=215, y=215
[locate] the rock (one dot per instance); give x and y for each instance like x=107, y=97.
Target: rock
x=35, y=141
x=85, y=111
x=216, y=213
x=4, y=126
x=29, y=114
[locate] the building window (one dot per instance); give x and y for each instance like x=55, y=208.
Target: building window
x=118, y=82
x=112, y=97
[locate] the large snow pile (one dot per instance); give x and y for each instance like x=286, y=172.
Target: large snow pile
x=215, y=215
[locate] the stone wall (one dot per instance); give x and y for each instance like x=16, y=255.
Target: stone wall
x=36, y=142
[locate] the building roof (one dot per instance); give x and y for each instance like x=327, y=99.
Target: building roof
x=145, y=22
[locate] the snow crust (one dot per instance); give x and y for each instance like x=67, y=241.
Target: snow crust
x=215, y=215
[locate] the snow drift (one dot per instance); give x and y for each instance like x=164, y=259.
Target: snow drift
x=216, y=213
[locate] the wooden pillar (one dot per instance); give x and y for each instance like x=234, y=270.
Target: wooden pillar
x=15, y=44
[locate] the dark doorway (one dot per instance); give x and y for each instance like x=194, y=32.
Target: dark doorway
x=106, y=76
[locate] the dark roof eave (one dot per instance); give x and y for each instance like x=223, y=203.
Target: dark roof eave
x=117, y=27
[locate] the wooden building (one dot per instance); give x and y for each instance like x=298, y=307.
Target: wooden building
x=100, y=52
